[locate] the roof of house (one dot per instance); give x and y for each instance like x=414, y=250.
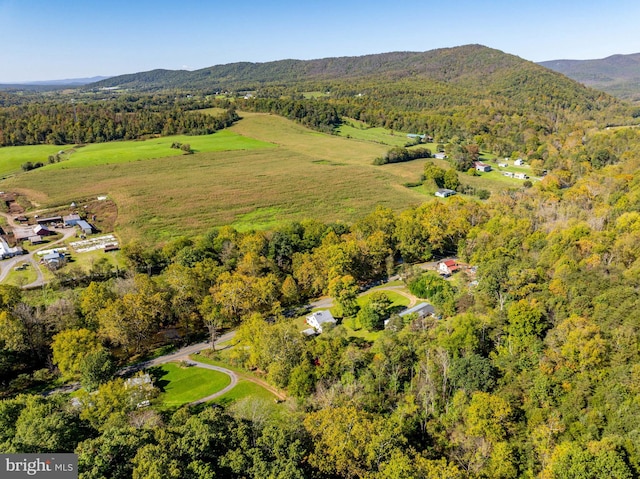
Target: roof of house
x=322, y=317
x=450, y=262
x=424, y=308
x=71, y=217
x=55, y=256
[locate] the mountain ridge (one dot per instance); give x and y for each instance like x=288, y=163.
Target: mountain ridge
x=618, y=75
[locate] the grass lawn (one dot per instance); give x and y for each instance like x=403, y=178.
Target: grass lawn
x=11, y=157
x=243, y=390
x=21, y=278
x=183, y=385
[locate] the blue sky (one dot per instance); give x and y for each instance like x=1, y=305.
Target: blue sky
x=56, y=39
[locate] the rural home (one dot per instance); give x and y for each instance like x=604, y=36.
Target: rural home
x=508, y=174
x=503, y=165
x=317, y=319
x=439, y=156
x=483, y=167
x=444, y=193
x=422, y=310
x=520, y=176
x=519, y=162
x=448, y=266
x=54, y=260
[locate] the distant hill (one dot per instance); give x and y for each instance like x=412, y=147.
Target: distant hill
x=51, y=84
x=618, y=75
x=469, y=91
x=459, y=65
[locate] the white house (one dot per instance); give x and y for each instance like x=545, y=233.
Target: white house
x=317, y=319
x=439, y=156
x=483, y=167
x=448, y=266
x=445, y=193
x=503, y=165
x=521, y=176
x=519, y=162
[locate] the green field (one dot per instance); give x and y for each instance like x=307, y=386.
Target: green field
x=12, y=157
x=182, y=385
x=282, y=172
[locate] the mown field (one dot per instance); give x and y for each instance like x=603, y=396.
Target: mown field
x=263, y=171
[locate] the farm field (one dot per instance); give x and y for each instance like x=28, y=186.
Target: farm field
x=291, y=173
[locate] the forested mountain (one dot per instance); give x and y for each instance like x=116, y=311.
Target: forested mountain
x=500, y=101
x=618, y=75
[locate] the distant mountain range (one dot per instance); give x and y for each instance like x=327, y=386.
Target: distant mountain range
x=618, y=75
x=51, y=84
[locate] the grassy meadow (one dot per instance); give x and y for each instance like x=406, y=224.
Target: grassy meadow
x=263, y=171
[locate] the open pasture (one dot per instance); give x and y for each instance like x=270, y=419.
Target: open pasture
x=12, y=157
x=292, y=173
x=308, y=174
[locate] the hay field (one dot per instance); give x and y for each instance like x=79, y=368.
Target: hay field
x=307, y=175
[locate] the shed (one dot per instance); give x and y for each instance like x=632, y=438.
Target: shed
x=85, y=227
x=36, y=239
x=49, y=220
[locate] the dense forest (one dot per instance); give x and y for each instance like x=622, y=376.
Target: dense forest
x=530, y=366
x=125, y=118
x=531, y=372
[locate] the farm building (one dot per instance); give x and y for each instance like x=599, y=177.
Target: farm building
x=49, y=220
x=445, y=193
x=71, y=220
x=480, y=166
x=85, y=227
x=448, y=266
x=36, y=239
x=319, y=318
x=40, y=230
x=8, y=252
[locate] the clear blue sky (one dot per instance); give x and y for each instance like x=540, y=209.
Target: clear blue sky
x=57, y=39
